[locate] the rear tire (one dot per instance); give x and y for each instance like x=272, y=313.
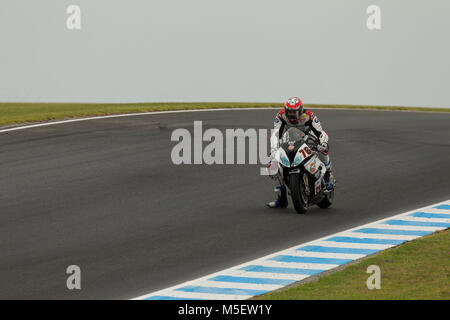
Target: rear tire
x=327, y=200
x=298, y=193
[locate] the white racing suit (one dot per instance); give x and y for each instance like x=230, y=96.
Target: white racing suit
x=308, y=120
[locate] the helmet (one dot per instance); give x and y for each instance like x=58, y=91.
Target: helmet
x=293, y=108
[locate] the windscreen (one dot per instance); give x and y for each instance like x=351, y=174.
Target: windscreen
x=292, y=135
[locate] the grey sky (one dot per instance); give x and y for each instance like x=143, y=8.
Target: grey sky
x=226, y=50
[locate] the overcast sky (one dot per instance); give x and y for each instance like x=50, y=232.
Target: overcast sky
x=226, y=50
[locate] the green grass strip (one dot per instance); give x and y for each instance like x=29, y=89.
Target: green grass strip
x=419, y=269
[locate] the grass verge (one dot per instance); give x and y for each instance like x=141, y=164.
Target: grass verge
x=16, y=113
x=419, y=269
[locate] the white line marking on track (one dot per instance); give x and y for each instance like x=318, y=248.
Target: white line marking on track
x=324, y=254
x=377, y=236
x=411, y=228
x=267, y=275
x=352, y=245
x=51, y=123
x=43, y=124
x=256, y=286
x=312, y=266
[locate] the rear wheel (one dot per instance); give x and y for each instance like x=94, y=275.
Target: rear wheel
x=298, y=191
x=327, y=200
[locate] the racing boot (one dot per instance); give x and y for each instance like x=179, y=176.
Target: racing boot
x=281, y=201
x=329, y=179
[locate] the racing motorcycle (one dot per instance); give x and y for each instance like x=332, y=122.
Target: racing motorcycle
x=302, y=170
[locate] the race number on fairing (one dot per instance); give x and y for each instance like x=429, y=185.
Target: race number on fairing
x=303, y=152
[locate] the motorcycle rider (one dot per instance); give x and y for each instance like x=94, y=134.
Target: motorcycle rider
x=294, y=115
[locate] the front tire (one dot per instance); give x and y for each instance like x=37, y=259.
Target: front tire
x=299, y=198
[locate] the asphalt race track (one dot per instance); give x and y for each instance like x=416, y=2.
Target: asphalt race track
x=104, y=195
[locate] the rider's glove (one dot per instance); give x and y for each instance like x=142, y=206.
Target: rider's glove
x=322, y=147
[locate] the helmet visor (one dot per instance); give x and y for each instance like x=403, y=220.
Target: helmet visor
x=293, y=114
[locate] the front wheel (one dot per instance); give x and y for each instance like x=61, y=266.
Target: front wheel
x=298, y=192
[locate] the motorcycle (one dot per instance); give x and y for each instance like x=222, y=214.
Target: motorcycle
x=302, y=170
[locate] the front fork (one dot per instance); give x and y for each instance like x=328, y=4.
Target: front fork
x=306, y=183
